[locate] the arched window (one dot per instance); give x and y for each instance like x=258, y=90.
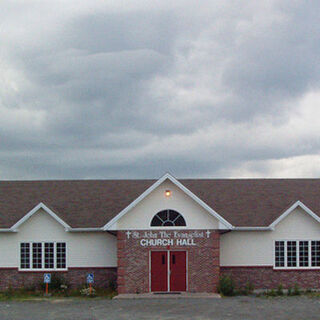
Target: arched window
x=168, y=218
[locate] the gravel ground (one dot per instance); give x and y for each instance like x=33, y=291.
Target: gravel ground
x=302, y=308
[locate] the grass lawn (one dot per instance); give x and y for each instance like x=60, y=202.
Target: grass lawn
x=24, y=294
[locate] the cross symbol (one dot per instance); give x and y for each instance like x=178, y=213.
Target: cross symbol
x=208, y=233
x=128, y=233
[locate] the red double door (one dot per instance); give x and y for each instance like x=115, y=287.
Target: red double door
x=168, y=271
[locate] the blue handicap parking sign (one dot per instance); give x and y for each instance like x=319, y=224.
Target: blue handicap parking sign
x=90, y=278
x=47, y=278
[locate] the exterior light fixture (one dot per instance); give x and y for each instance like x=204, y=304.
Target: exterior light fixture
x=168, y=193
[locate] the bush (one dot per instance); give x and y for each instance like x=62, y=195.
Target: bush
x=271, y=293
x=289, y=293
x=112, y=285
x=280, y=290
x=86, y=292
x=246, y=290
x=249, y=288
x=9, y=293
x=296, y=290
x=226, y=286
x=58, y=284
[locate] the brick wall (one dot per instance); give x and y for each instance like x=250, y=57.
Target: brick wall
x=11, y=277
x=133, y=262
x=267, y=278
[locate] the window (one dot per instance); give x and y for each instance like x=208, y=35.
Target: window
x=303, y=253
x=279, y=254
x=61, y=255
x=297, y=254
x=291, y=253
x=315, y=253
x=42, y=255
x=168, y=218
x=49, y=255
x=25, y=255
x=37, y=255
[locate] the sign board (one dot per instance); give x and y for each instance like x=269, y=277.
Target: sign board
x=47, y=278
x=168, y=238
x=90, y=278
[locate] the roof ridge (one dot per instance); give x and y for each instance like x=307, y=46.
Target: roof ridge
x=153, y=179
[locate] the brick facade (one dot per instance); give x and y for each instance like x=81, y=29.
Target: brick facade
x=12, y=277
x=267, y=278
x=202, y=263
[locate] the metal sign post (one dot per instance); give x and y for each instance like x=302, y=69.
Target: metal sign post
x=90, y=281
x=47, y=280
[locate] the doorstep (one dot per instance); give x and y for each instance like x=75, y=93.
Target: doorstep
x=182, y=295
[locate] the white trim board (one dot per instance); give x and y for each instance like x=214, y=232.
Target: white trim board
x=169, y=177
x=7, y=230
x=253, y=228
x=85, y=230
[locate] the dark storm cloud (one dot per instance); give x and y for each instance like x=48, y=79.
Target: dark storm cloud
x=105, y=90
x=123, y=32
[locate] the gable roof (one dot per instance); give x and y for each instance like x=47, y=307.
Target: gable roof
x=93, y=203
x=36, y=209
x=169, y=177
x=79, y=203
x=291, y=209
x=256, y=202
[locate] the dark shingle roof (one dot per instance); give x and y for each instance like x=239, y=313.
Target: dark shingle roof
x=92, y=203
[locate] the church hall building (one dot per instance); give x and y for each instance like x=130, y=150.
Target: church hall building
x=164, y=235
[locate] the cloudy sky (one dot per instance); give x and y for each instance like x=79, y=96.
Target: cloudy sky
x=133, y=89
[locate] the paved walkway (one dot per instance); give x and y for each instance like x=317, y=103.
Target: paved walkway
x=168, y=296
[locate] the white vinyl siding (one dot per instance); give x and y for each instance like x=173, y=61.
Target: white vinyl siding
x=256, y=248
x=84, y=249
x=140, y=217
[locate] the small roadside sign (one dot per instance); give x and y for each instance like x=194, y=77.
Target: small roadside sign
x=90, y=278
x=47, y=278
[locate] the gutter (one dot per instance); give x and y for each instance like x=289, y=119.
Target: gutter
x=8, y=230
x=84, y=229
x=67, y=230
x=253, y=228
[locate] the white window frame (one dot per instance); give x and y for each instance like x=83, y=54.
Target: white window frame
x=43, y=256
x=20, y=247
x=297, y=253
x=55, y=255
x=169, y=227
